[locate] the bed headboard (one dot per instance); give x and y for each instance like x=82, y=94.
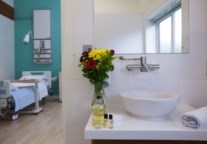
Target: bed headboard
x=4, y=89
x=47, y=74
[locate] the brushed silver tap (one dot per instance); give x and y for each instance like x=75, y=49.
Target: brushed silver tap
x=143, y=66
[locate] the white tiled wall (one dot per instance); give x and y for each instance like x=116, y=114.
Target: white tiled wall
x=181, y=73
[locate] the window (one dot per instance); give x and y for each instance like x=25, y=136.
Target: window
x=167, y=28
x=169, y=32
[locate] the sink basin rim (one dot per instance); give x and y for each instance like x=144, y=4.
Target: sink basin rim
x=150, y=105
x=150, y=98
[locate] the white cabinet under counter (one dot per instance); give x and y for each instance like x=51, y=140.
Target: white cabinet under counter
x=132, y=130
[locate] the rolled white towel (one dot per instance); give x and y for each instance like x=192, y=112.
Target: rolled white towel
x=196, y=118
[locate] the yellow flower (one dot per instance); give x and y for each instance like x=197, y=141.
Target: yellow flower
x=98, y=54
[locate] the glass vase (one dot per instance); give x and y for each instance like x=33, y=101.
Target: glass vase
x=98, y=106
x=99, y=92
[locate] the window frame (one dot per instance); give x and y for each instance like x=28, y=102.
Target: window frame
x=157, y=22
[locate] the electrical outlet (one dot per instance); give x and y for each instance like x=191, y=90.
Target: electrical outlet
x=86, y=47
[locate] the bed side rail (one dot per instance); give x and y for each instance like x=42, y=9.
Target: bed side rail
x=4, y=94
x=4, y=89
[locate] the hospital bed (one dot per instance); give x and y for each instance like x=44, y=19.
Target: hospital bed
x=16, y=95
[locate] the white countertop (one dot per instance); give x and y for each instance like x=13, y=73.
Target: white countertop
x=127, y=127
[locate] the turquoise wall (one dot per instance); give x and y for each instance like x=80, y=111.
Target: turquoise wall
x=23, y=10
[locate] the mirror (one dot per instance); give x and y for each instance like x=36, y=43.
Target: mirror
x=141, y=26
x=42, y=36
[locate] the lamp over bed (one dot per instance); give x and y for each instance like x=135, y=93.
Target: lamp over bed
x=26, y=39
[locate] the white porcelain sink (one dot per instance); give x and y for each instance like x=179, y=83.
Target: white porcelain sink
x=150, y=105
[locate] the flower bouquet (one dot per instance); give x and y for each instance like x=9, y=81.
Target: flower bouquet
x=95, y=65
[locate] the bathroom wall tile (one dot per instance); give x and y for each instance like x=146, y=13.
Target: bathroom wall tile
x=83, y=16
x=141, y=84
x=197, y=10
x=194, y=65
x=194, y=92
x=165, y=86
x=78, y=30
x=198, y=43
x=71, y=68
x=170, y=65
x=72, y=59
x=83, y=39
x=77, y=96
x=113, y=93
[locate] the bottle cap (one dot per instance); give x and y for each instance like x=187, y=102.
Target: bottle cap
x=105, y=116
x=110, y=116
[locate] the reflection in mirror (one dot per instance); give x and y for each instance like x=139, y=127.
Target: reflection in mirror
x=141, y=26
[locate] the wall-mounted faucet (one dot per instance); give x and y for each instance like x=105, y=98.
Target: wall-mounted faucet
x=143, y=66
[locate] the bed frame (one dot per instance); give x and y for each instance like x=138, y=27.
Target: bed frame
x=33, y=84
x=5, y=91
x=47, y=74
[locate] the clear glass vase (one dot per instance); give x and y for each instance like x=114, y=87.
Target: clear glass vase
x=99, y=92
x=98, y=105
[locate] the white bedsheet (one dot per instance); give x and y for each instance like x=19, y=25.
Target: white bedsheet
x=25, y=94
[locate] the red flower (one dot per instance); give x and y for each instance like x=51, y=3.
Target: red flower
x=90, y=64
x=84, y=56
x=112, y=52
x=81, y=59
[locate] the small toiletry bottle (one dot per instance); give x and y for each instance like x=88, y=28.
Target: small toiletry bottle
x=110, y=121
x=105, y=120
